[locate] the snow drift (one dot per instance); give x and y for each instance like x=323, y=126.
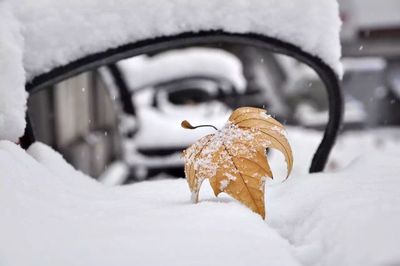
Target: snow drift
x=54, y=215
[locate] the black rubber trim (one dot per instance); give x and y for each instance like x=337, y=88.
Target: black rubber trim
x=111, y=56
x=29, y=137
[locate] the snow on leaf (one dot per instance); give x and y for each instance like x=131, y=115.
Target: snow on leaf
x=234, y=158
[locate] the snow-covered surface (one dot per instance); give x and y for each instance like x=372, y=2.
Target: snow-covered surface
x=145, y=71
x=70, y=220
x=116, y=173
x=12, y=76
x=347, y=218
x=53, y=215
x=350, y=147
x=354, y=112
x=55, y=33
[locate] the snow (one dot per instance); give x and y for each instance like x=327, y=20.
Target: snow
x=354, y=112
x=145, y=71
x=54, y=215
x=37, y=36
x=12, y=77
x=93, y=28
x=153, y=223
x=116, y=173
x=348, y=218
x=350, y=147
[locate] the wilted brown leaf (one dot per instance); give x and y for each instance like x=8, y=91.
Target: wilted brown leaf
x=234, y=158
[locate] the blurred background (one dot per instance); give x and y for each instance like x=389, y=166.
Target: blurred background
x=121, y=123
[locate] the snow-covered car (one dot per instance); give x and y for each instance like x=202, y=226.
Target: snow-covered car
x=167, y=88
x=52, y=214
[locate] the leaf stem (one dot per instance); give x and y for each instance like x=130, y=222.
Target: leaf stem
x=187, y=125
x=205, y=126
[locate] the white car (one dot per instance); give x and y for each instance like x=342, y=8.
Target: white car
x=168, y=88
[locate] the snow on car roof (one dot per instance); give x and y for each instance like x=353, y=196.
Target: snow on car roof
x=55, y=33
x=208, y=62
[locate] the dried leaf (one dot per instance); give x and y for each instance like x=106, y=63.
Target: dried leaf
x=234, y=158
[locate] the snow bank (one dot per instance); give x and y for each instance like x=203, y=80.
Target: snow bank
x=52, y=221
x=65, y=218
x=347, y=218
x=12, y=76
x=192, y=62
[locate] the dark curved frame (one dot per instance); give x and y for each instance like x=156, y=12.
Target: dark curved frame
x=111, y=56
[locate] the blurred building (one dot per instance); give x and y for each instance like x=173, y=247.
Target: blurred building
x=77, y=118
x=371, y=47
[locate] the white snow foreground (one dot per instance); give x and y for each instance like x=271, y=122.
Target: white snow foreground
x=37, y=36
x=54, y=215
x=69, y=219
